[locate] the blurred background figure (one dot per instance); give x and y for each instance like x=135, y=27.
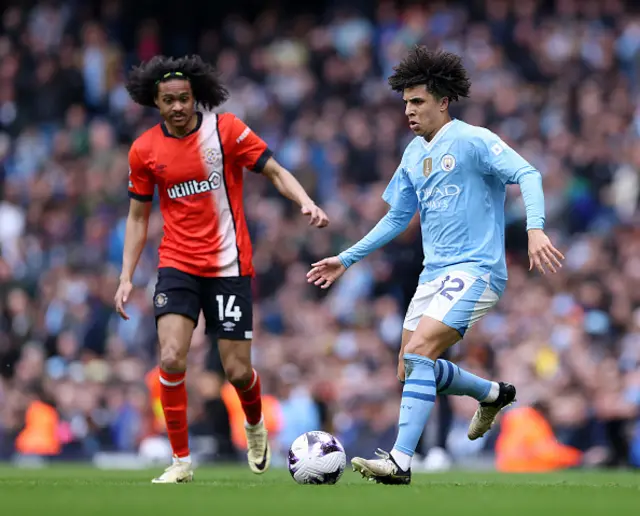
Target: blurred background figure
x=557, y=79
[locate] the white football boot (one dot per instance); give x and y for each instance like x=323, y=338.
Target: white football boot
x=384, y=470
x=179, y=472
x=258, y=449
x=485, y=416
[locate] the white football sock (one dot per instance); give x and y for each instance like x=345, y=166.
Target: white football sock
x=494, y=392
x=402, y=459
x=247, y=425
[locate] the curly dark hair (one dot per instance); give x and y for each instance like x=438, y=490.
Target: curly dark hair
x=441, y=72
x=143, y=80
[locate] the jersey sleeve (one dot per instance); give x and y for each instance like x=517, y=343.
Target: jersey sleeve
x=141, y=183
x=400, y=194
x=500, y=160
x=249, y=149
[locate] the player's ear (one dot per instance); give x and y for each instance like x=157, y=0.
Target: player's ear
x=444, y=104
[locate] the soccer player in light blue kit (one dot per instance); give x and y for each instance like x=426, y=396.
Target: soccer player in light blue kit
x=455, y=175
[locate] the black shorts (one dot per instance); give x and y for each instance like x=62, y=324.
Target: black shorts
x=226, y=303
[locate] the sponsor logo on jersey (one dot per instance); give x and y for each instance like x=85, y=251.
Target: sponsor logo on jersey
x=244, y=134
x=195, y=187
x=439, y=197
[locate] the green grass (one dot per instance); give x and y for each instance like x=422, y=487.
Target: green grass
x=70, y=490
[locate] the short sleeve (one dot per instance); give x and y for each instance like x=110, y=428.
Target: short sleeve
x=141, y=183
x=250, y=150
x=498, y=159
x=400, y=193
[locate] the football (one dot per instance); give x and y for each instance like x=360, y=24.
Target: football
x=316, y=458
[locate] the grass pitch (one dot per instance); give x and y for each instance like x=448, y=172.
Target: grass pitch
x=231, y=491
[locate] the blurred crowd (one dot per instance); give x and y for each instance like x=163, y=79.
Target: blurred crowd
x=558, y=80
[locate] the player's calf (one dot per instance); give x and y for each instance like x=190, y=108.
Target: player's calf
x=174, y=334
x=453, y=380
x=236, y=360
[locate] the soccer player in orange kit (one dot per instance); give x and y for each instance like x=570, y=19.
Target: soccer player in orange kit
x=195, y=158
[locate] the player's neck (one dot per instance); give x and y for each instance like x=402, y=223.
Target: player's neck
x=431, y=134
x=180, y=132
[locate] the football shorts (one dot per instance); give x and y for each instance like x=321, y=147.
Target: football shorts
x=226, y=302
x=457, y=299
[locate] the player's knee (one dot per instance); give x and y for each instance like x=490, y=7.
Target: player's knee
x=239, y=374
x=423, y=346
x=173, y=356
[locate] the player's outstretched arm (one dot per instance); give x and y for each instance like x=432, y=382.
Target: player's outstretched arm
x=325, y=272
x=134, y=240
x=289, y=186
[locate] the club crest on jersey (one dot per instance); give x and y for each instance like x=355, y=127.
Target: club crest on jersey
x=213, y=157
x=195, y=187
x=160, y=300
x=448, y=162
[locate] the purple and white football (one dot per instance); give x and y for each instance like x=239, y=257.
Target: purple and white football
x=316, y=458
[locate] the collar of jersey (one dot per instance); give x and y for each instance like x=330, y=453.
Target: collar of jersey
x=195, y=129
x=439, y=134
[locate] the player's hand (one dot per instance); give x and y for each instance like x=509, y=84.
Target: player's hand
x=122, y=296
x=542, y=254
x=318, y=218
x=325, y=272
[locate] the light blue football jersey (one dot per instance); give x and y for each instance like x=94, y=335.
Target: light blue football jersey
x=458, y=183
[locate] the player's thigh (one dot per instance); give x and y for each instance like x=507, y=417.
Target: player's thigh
x=174, y=337
x=176, y=303
x=431, y=338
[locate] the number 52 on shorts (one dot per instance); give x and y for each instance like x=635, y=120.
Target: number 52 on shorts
x=457, y=299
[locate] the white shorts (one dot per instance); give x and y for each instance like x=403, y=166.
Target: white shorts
x=457, y=299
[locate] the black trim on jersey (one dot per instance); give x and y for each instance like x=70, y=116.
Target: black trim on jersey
x=226, y=191
x=262, y=161
x=195, y=129
x=141, y=198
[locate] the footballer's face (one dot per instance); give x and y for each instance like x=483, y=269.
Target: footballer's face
x=176, y=103
x=426, y=113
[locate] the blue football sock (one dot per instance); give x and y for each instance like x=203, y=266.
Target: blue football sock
x=418, y=397
x=450, y=379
